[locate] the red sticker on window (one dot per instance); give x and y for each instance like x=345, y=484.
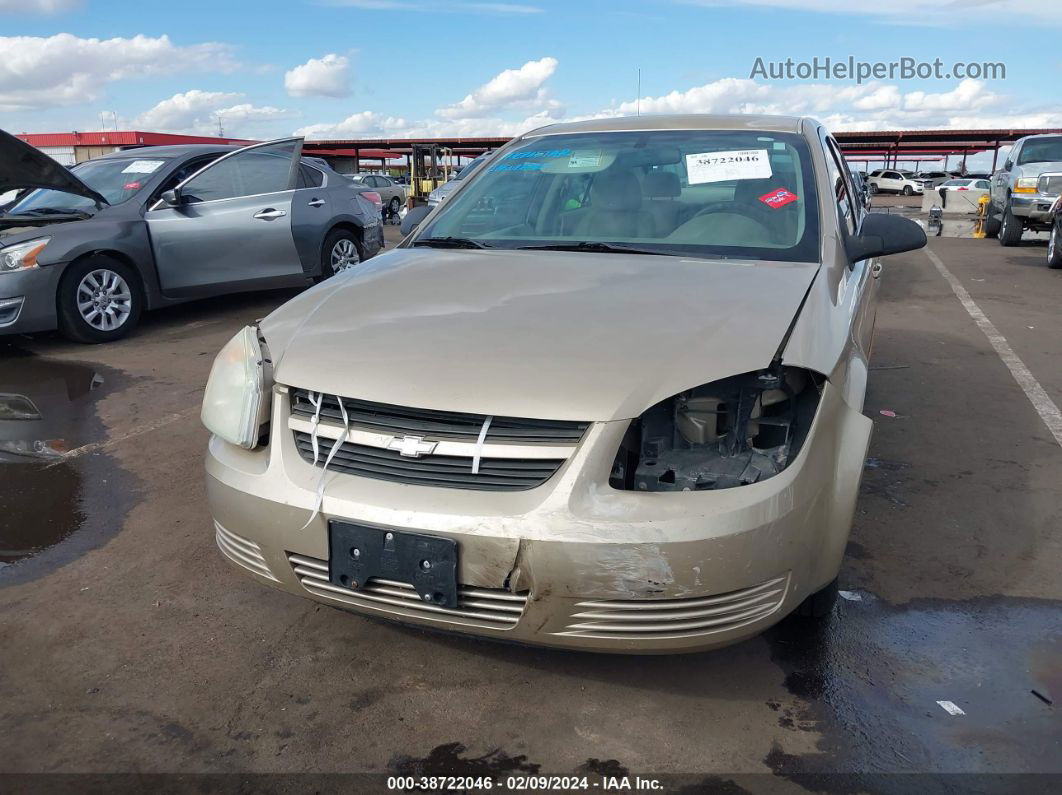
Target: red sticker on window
x=778, y=198
x=131, y=186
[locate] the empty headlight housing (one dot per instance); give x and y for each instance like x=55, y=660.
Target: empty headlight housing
x=237, y=397
x=731, y=432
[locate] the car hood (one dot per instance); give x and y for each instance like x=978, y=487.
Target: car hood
x=1036, y=169
x=552, y=335
x=25, y=166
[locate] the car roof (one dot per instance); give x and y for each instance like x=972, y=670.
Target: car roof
x=176, y=150
x=687, y=121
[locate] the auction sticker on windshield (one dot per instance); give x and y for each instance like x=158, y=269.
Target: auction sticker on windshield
x=728, y=166
x=143, y=167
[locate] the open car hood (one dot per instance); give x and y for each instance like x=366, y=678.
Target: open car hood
x=25, y=166
x=551, y=335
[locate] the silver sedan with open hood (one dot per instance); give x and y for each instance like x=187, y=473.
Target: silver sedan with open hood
x=608, y=396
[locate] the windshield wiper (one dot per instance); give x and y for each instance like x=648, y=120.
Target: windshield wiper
x=589, y=245
x=450, y=242
x=54, y=211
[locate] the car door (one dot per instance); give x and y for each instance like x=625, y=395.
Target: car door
x=312, y=211
x=231, y=226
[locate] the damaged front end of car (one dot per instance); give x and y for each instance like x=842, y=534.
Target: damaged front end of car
x=732, y=432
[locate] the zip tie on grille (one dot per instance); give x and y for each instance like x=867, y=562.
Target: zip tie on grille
x=479, y=445
x=315, y=420
x=319, y=500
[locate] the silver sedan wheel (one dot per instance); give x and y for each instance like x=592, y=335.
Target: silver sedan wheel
x=344, y=255
x=104, y=300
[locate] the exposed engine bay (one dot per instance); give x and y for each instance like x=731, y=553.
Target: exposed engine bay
x=732, y=432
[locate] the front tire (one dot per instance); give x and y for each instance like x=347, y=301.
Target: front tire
x=100, y=300
x=1054, y=246
x=820, y=604
x=1010, y=230
x=907, y=190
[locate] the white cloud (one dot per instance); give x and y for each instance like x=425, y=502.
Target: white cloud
x=38, y=72
x=321, y=77
x=918, y=12
x=968, y=95
x=38, y=6
x=523, y=87
x=197, y=112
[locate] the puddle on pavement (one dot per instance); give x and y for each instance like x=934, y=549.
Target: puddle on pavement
x=870, y=679
x=47, y=408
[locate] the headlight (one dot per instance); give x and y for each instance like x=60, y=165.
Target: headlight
x=236, y=401
x=22, y=255
x=728, y=433
x=1025, y=185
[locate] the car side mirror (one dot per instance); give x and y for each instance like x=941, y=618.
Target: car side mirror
x=413, y=218
x=1008, y=165
x=171, y=198
x=882, y=234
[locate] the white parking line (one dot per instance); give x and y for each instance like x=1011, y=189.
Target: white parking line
x=1040, y=400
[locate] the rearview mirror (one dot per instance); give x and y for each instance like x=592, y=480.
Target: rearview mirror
x=882, y=234
x=413, y=218
x=171, y=198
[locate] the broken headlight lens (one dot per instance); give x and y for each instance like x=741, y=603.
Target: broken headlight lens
x=731, y=432
x=237, y=397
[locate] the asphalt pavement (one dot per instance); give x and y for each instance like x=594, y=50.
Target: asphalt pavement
x=129, y=644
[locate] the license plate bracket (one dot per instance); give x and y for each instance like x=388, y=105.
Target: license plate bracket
x=358, y=553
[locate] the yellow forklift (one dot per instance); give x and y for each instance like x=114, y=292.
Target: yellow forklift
x=430, y=165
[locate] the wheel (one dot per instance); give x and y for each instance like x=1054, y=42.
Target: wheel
x=393, y=206
x=100, y=300
x=341, y=252
x=907, y=190
x=873, y=188
x=820, y=604
x=991, y=222
x=1054, y=245
x=1010, y=228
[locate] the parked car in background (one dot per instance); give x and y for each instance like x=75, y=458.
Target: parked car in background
x=1025, y=188
x=628, y=416
x=93, y=246
x=931, y=179
x=391, y=193
x=451, y=185
x=892, y=181
x=966, y=183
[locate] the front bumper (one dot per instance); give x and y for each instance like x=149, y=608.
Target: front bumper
x=572, y=563
x=27, y=300
x=1034, y=207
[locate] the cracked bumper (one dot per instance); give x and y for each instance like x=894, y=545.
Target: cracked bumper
x=572, y=563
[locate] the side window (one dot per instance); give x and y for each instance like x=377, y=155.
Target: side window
x=383, y=182
x=184, y=172
x=982, y=183
x=839, y=186
x=264, y=169
x=309, y=177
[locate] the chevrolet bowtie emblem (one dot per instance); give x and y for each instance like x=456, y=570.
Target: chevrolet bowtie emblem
x=412, y=446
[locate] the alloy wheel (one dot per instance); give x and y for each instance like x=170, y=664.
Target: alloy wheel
x=344, y=255
x=104, y=300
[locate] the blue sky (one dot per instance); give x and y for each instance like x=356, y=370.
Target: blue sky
x=363, y=68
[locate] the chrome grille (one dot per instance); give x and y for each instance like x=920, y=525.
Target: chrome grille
x=242, y=551
x=446, y=471
x=1049, y=184
x=652, y=619
x=486, y=608
x=402, y=420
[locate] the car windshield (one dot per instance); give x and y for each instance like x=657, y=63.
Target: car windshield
x=1041, y=150
x=115, y=179
x=706, y=194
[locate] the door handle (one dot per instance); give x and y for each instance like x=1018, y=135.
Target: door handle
x=316, y=202
x=875, y=270
x=269, y=214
